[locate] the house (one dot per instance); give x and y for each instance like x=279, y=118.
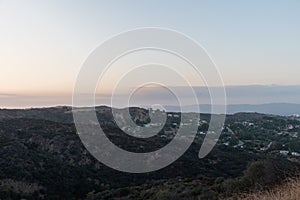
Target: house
x=240, y=144
x=245, y=123
x=284, y=152
x=290, y=127
x=226, y=143
x=295, y=154
x=267, y=147
x=295, y=135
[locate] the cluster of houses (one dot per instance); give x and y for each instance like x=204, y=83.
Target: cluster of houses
x=286, y=153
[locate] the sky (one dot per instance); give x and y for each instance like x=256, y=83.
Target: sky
x=43, y=44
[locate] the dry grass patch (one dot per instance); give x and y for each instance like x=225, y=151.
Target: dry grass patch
x=290, y=190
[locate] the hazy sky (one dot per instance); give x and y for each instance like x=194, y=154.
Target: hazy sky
x=44, y=43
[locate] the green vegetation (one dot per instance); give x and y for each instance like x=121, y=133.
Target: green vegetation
x=41, y=157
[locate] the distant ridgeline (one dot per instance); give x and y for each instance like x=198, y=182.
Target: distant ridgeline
x=285, y=109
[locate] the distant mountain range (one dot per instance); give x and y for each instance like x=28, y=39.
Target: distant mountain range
x=271, y=108
x=64, y=113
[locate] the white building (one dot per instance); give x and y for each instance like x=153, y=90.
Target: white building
x=295, y=154
x=284, y=152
